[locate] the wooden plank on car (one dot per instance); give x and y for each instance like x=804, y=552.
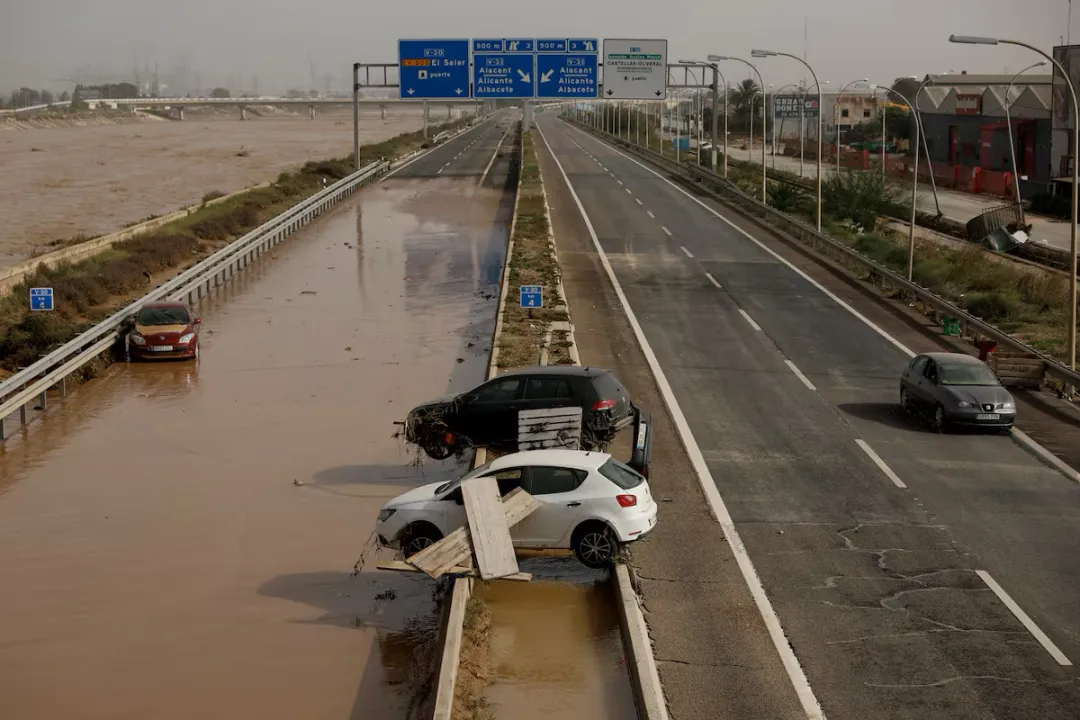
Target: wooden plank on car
x=492, y=546
x=549, y=412
x=439, y=558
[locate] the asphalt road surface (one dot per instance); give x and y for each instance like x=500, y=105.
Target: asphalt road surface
x=896, y=560
x=177, y=540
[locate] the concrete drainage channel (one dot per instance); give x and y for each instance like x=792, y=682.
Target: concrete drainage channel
x=570, y=644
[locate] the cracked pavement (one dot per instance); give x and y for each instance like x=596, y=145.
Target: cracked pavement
x=875, y=585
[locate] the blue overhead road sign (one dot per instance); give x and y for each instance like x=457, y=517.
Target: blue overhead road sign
x=504, y=76
x=519, y=46
x=583, y=46
x=433, y=69
x=567, y=76
x=550, y=46
x=41, y=298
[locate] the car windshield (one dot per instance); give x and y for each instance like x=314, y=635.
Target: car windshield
x=967, y=374
x=454, y=483
x=621, y=474
x=162, y=316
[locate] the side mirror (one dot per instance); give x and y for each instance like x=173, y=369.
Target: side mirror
x=197, y=321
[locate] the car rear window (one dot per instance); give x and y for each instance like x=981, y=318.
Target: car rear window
x=621, y=474
x=609, y=388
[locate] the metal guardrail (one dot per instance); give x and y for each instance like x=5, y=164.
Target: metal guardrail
x=837, y=250
x=34, y=381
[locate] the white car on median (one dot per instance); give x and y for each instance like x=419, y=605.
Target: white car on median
x=590, y=503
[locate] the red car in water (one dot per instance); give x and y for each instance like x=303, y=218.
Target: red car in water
x=164, y=330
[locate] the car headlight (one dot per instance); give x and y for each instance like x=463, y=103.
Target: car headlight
x=185, y=339
x=386, y=514
x=1008, y=405
x=963, y=404
x=137, y=339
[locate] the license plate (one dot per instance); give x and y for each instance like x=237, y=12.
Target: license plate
x=988, y=416
x=161, y=348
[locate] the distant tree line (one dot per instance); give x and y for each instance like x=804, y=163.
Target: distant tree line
x=25, y=97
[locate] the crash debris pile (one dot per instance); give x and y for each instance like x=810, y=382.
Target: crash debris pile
x=482, y=547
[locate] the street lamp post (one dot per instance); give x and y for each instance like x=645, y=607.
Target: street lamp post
x=925, y=145
x=836, y=117
x=1012, y=143
x=761, y=84
x=968, y=40
x=717, y=76
x=914, y=180
x=773, y=53
x=775, y=142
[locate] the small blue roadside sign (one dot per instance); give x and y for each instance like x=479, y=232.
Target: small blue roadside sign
x=532, y=296
x=433, y=69
x=504, y=75
x=41, y=298
x=567, y=76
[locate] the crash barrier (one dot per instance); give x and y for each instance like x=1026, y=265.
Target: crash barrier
x=1053, y=372
x=31, y=384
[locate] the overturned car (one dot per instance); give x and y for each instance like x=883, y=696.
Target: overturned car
x=493, y=414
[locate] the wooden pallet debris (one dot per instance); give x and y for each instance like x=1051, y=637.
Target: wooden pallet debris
x=1017, y=370
x=452, y=551
x=549, y=428
x=492, y=546
x=402, y=566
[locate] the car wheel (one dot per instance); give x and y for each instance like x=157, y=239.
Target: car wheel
x=595, y=545
x=905, y=400
x=418, y=537
x=939, y=423
x=196, y=351
x=437, y=448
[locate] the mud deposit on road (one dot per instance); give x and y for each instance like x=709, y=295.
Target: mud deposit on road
x=177, y=541
x=556, y=648
x=62, y=182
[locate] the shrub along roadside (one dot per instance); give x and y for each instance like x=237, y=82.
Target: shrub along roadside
x=90, y=290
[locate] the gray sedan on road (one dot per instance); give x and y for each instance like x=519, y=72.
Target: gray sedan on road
x=956, y=389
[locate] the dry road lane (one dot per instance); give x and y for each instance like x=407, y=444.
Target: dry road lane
x=177, y=540
x=898, y=562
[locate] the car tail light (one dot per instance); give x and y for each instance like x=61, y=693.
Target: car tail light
x=603, y=405
x=627, y=500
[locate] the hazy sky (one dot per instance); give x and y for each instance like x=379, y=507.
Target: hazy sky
x=42, y=41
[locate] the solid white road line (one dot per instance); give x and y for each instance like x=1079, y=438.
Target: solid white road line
x=880, y=463
x=713, y=280
x=649, y=213
x=1024, y=619
x=799, y=374
x=688, y=253
x=746, y=316
x=795, y=673
x=832, y=296
x=666, y=231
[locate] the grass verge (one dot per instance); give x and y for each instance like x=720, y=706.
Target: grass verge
x=532, y=261
x=474, y=665
x=88, y=291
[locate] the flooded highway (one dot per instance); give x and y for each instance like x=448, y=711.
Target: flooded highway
x=177, y=540
x=556, y=648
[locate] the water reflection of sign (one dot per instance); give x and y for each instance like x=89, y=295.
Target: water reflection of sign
x=968, y=103
x=788, y=106
x=1069, y=57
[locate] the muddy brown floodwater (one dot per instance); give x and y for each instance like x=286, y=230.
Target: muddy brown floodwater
x=177, y=540
x=61, y=182
x=556, y=648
